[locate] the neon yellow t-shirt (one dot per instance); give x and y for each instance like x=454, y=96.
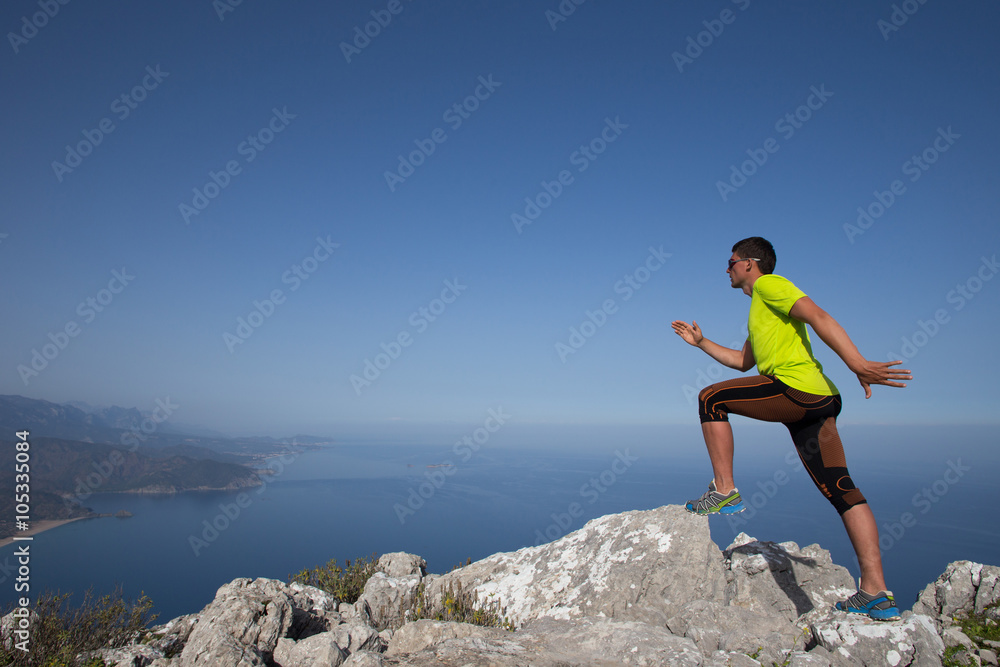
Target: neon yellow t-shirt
x=780, y=343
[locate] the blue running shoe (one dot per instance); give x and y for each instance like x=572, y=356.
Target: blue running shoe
x=713, y=502
x=881, y=606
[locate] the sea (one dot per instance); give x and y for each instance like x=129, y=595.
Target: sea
x=453, y=499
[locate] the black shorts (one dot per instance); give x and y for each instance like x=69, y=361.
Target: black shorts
x=810, y=418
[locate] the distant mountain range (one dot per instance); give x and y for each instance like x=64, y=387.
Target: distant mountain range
x=128, y=427
x=77, y=450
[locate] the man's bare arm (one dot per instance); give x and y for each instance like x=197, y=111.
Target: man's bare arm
x=741, y=360
x=831, y=333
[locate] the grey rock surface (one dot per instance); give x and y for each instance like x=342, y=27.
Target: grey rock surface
x=387, y=601
x=637, y=588
x=401, y=564
x=241, y=626
x=626, y=566
x=546, y=642
x=320, y=649
x=857, y=639
x=782, y=579
x=963, y=585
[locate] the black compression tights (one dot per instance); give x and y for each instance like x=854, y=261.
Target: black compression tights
x=811, y=419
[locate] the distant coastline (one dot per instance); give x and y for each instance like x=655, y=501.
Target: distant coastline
x=41, y=526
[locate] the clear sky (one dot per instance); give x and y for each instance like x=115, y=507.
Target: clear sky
x=507, y=167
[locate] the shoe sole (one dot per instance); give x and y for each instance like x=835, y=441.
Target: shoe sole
x=859, y=612
x=725, y=510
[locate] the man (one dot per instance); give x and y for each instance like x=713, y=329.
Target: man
x=793, y=390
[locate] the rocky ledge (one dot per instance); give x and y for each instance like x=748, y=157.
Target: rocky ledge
x=638, y=588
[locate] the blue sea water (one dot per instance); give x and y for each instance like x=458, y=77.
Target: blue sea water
x=925, y=485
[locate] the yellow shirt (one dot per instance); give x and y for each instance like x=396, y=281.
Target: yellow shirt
x=780, y=343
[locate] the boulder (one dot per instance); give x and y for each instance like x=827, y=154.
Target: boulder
x=387, y=602
x=640, y=565
x=400, y=564
x=241, y=626
x=782, y=579
x=313, y=611
x=318, y=649
x=858, y=640
x=963, y=586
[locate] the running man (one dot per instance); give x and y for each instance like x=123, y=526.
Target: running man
x=793, y=390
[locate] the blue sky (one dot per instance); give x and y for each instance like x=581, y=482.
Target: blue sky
x=831, y=103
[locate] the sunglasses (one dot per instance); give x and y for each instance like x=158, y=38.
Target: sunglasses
x=741, y=259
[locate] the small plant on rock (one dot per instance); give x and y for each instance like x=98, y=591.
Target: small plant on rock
x=462, y=606
x=344, y=583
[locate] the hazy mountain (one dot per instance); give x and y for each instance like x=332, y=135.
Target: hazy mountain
x=65, y=473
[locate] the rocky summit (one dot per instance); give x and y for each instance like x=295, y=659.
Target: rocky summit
x=637, y=588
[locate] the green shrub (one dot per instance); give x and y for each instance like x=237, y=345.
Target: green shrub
x=60, y=632
x=344, y=583
x=462, y=606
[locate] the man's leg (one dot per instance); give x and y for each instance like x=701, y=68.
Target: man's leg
x=863, y=531
x=719, y=441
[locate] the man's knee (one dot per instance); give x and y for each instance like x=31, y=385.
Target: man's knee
x=844, y=500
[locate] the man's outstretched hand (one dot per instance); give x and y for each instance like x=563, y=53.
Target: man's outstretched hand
x=880, y=372
x=691, y=333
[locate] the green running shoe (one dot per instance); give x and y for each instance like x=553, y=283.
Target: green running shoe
x=881, y=606
x=713, y=502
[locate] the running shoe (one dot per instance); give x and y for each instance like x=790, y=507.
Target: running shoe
x=881, y=606
x=714, y=502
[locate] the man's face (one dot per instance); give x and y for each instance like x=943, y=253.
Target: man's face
x=737, y=272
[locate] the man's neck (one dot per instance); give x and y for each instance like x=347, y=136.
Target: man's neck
x=748, y=286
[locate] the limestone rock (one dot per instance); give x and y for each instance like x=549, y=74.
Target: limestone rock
x=313, y=611
x=241, y=626
x=545, y=642
x=783, y=579
x=963, y=586
x=861, y=640
x=714, y=627
x=640, y=565
x=319, y=649
x=365, y=659
x=387, y=601
x=400, y=564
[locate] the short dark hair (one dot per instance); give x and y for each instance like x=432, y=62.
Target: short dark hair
x=758, y=247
